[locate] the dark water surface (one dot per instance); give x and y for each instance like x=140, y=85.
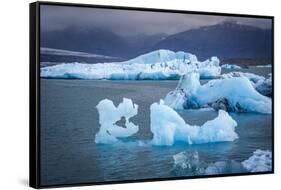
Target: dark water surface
x=69, y=122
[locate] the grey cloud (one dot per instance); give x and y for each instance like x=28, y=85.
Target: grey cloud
x=124, y=22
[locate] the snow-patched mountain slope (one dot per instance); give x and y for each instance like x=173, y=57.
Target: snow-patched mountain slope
x=52, y=51
x=156, y=65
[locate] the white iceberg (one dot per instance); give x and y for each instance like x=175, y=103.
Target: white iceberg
x=210, y=68
x=108, y=116
x=261, y=84
x=260, y=161
x=230, y=66
x=168, y=127
x=156, y=65
x=234, y=93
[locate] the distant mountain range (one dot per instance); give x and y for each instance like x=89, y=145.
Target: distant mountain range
x=227, y=40
x=51, y=55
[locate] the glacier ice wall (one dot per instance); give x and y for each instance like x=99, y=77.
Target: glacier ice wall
x=156, y=65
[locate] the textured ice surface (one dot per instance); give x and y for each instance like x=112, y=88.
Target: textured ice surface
x=156, y=65
x=188, y=163
x=264, y=86
x=224, y=167
x=230, y=66
x=261, y=66
x=261, y=84
x=239, y=92
x=168, y=127
x=260, y=161
x=252, y=77
x=108, y=116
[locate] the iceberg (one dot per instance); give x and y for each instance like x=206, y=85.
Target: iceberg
x=231, y=94
x=224, y=167
x=156, y=65
x=252, y=77
x=261, y=84
x=230, y=66
x=108, y=116
x=260, y=161
x=188, y=163
x=264, y=86
x=262, y=66
x=168, y=127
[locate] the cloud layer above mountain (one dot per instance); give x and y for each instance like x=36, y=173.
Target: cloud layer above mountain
x=125, y=22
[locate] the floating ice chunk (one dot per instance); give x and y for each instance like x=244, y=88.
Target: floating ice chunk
x=260, y=83
x=239, y=92
x=260, y=161
x=252, y=77
x=109, y=115
x=156, y=65
x=210, y=68
x=230, y=66
x=181, y=98
x=168, y=127
x=261, y=66
x=188, y=163
x=224, y=167
x=162, y=56
x=264, y=86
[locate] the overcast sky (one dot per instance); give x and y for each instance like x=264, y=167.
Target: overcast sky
x=124, y=22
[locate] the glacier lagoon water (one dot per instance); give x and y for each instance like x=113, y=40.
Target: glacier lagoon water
x=69, y=122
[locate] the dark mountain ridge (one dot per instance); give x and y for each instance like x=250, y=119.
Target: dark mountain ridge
x=227, y=40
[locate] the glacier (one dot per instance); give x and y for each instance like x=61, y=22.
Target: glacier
x=109, y=131
x=229, y=93
x=168, y=127
x=155, y=65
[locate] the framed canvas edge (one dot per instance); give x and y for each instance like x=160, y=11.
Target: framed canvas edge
x=34, y=93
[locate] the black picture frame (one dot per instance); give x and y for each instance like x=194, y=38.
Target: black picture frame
x=34, y=92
